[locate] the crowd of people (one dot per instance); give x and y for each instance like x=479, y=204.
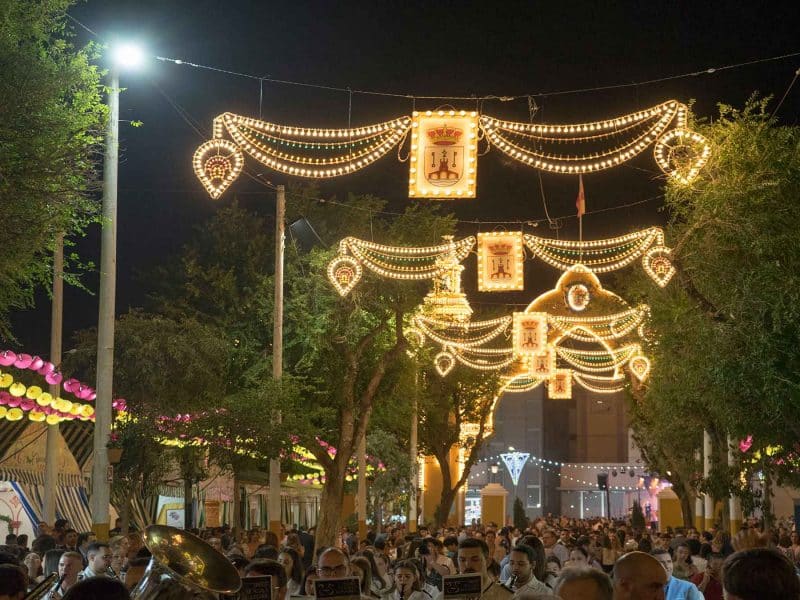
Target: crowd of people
x=552, y=558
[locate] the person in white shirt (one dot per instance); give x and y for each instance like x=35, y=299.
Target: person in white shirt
x=523, y=559
x=406, y=582
x=98, y=557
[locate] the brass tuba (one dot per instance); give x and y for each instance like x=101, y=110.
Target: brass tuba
x=180, y=558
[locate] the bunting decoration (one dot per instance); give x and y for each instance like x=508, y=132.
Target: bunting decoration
x=443, y=155
x=500, y=262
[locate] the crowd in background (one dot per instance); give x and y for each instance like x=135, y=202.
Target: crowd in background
x=551, y=558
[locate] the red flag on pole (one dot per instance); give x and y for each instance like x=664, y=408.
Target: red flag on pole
x=580, y=202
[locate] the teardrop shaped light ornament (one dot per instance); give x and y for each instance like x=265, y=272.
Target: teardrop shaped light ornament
x=658, y=265
x=639, y=366
x=344, y=273
x=217, y=164
x=681, y=153
x=444, y=363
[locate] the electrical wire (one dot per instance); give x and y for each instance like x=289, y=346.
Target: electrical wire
x=501, y=98
x=786, y=93
x=478, y=98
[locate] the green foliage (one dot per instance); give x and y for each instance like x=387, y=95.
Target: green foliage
x=520, y=518
x=393, y=483
x=725, y=331
x=50, y=131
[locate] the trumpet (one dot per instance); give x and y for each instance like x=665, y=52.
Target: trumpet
x=42, y=590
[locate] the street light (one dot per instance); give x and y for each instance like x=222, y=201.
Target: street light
x=123, y=57
x=494, y=468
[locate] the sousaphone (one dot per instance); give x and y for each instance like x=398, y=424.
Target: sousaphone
x=182, y=558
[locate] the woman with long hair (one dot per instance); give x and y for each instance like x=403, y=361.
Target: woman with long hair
x=360, y=567
x=50, y=561
x=293, y=565
x=406, y=582
x=379, y=583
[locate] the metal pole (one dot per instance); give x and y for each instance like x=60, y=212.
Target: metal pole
x=412, y=498
x=709, y=501
x=101, y=471
x=362, y=487
x=274, y=499
x=56, y=320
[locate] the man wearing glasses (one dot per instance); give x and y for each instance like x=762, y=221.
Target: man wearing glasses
x=332, y=564
x=98, y=557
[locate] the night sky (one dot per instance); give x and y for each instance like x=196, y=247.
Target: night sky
x=409, y=48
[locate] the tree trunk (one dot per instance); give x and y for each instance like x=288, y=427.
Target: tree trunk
x=237, y=506
x=187, y=503
x=125, y=513
x=330, y=505
x=445, y=504
x=448, y=493
x=766, y=505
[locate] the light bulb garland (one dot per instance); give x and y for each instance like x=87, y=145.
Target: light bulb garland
x=603, y=256
x=443, y=147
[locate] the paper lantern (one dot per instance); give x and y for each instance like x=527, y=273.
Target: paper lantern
x=46, y=368
x=53, y=419
x=17, y=389
x=3, y=412
x=34, y=392
x=6, y=380
x=44, y=399
x=7, y=358
x=53, y=377
x=23, y=361
x=36, y=364
x=71, y=384
x=37, y=416
x=14, y=414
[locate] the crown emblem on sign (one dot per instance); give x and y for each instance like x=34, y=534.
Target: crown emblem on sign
x=500, y=249
x=444, y=135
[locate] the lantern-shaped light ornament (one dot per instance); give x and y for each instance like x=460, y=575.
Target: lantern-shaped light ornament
x=344, y=272
x=217, y=163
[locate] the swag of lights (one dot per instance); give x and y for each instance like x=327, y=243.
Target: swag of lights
x=443, y=147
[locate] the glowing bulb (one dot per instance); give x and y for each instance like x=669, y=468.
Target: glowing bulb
x=127, y=55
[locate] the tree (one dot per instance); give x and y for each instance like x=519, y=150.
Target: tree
x=725, y=331
x=447, y=405
x=165, y=369
x=520, y=518
x=350, y=350
x=50, y=125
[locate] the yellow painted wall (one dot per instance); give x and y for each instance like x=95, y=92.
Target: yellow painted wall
x=493, y=510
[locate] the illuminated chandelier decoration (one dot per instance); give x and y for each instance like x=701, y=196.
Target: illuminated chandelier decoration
x=591, y=332
x=576, y=333
x=447, y=300
x=443, y=155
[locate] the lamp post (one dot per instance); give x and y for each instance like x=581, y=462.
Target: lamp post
x=494, y=468
x=123, y=56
